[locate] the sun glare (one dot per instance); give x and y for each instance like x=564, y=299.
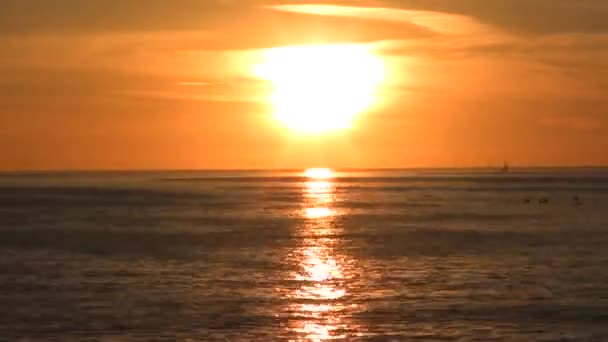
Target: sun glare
x=321, y=88
x=318, y=173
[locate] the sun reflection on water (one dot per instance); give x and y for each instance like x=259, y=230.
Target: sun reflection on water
x=319, y=269
x=319, y=193
x=320, y=274
x=316, y=213
x=316, y=188
x=319, y=173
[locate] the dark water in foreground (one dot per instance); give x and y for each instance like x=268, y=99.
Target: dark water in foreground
x=243, y=256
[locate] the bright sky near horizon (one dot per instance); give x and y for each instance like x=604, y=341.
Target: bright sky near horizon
x=108, y=84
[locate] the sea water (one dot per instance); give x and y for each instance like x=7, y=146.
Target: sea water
x=275, y=255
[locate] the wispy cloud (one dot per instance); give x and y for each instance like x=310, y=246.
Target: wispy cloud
x=443, y=23
x=571, y=122
x=195, y=84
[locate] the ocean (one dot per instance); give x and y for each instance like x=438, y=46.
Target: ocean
x=367, y=255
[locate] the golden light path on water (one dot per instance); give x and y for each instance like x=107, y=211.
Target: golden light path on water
x=318, y=173
x=321, y=273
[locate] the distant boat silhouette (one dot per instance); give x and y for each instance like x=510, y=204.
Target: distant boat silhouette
x=505, y=167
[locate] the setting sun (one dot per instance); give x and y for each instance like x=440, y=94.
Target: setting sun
x=321, y=88
x=318, y=173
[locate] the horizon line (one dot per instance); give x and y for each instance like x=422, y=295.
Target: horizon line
x=342, y=169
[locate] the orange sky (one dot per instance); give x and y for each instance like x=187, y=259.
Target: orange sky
x=104, y=84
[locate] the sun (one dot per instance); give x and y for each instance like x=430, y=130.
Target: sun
x=318, y=173
x=322, y=87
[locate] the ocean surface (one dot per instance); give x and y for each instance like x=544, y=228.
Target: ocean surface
x=388, y=255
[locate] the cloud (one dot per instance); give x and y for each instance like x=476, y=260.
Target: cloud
x=75, y=16
x=33, y=89
x=579, y=123
x=523, y=16
x=519, y=16
x=443, y=23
